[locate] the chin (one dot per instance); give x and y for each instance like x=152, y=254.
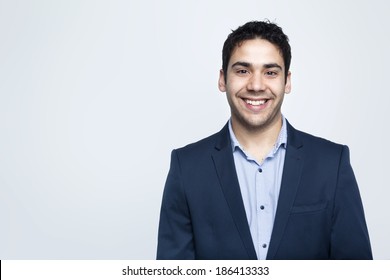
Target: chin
x=258, y=123
x=254, y=124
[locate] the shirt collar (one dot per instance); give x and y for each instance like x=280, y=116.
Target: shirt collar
x=282, y=138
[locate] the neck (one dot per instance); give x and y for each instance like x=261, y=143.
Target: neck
x=257, y=141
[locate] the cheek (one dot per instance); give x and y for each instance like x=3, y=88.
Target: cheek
x=234, y=86
x=233, y=101
x=278, y=88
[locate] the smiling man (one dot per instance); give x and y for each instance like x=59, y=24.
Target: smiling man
x=260, y=189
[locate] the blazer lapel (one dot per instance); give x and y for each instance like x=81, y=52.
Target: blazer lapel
x=292, y=170
x=224, y=164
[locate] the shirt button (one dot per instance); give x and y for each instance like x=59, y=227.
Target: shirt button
x=262, y=207
x=260, y=170
x=264, y=246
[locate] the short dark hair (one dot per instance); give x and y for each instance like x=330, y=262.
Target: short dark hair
x=257, y=29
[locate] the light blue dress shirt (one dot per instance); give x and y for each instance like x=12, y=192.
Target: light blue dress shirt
x=260, y=185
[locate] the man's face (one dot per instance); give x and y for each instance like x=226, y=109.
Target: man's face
x=255, y=85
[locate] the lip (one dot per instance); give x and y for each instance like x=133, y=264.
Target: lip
x=255, y=104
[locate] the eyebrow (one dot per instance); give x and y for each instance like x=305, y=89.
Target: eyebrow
x=272, y=65
x=247, y=64
x=241, y=63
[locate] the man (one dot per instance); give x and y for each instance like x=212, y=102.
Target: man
x=260, y=189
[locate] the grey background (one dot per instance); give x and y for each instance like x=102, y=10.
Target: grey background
x=94, y=95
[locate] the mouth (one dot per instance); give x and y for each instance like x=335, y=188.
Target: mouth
x=256, y=105
x=255, y=102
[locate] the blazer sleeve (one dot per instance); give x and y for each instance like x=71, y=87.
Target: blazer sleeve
x=349, y=237
x=175, y=237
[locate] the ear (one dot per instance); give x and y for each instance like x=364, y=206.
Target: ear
x=221, y=81
x=287, y=87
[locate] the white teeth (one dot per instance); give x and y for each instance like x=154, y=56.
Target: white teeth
x=255, y=102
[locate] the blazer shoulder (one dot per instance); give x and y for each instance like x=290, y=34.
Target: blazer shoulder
x=310, y=139
x=206, y=144
x=315, y=143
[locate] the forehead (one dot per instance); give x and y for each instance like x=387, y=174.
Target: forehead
x=257, y=51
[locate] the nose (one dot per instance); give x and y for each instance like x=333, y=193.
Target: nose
x=256, y=83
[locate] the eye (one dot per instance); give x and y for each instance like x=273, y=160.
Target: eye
x=271, y=73
x=242, y=71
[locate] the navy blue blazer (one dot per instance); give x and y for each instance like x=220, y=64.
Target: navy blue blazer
x=319, y=213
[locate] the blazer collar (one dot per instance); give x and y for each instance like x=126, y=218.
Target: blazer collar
x=293, y=137
x=223, y=140
x=224, y=165
x=292, y=171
